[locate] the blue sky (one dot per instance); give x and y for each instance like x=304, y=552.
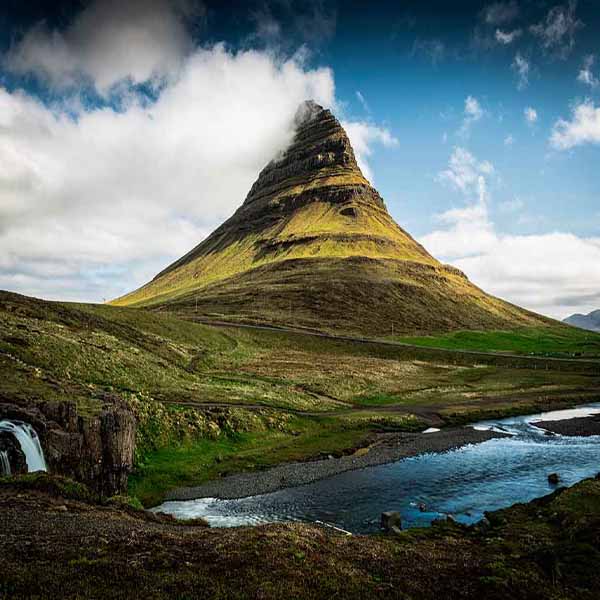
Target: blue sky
x=127, y=134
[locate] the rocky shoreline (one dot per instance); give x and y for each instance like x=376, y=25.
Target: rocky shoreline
x=580, y=426
x=388, y=447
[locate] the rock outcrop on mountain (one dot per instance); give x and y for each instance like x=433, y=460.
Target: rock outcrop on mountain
x=313, y=246
x=590, y=322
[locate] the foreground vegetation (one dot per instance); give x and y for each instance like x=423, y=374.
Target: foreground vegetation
x=211, y=401
x=59, y=543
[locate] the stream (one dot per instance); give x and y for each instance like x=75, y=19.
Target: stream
x=463, y=483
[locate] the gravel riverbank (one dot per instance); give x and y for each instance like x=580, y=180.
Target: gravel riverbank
x=581, y=426
x=388, y=447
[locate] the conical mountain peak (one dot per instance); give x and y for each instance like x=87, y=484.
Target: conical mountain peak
x=320, y=151
x=313, y=245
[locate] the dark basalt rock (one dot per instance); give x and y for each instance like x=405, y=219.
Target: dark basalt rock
x=97, y=450
x=16, y=457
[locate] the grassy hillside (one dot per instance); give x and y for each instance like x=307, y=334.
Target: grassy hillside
x=216, y=400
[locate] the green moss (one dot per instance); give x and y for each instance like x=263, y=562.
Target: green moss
x=196, y=461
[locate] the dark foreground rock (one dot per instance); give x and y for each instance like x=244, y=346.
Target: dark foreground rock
x=582, y=426
x=57, y=546
x=388, y=448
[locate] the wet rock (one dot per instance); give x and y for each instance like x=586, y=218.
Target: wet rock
x=391, y=520
x=97, y=451
x=16, y=457
x=553, y=479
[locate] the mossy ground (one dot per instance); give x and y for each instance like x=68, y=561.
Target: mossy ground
x=237, y=399
x=55, y=546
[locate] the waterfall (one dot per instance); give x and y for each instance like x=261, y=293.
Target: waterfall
x=29, y=442
x=4, y=464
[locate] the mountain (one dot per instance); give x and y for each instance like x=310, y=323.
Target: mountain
x=313, y=246
x=591, y=321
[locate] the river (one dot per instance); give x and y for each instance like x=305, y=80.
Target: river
x=463, y=483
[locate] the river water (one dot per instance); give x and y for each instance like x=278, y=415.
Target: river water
x=464, y=482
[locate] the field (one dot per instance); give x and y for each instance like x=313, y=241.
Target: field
x=216, y=400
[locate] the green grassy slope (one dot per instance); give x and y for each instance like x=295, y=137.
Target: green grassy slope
x=244, y=398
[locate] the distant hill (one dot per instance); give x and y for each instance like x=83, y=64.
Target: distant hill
x=313, y=246
x=590, y=322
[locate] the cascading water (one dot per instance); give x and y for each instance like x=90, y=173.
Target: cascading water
x=4, y=463
x=29, y=442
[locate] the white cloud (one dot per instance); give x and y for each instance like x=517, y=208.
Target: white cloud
x=531, y=115
x=499, y=13
x=466, y=173
x=555, y=274
x=586, y=74
x=522, y=67
x=95, y=200
x=111, y=192
x=509, y=140
x=507, y=37
x=472, y=113
x=362, y=101
x=108, y=42
x=362, y=137
x=583, y=128
x=557, y=30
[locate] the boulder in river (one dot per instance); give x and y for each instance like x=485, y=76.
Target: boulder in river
x=391, y=520
x=553, y=478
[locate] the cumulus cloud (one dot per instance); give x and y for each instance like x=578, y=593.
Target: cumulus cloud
x=109, y=41
x=110, y=189
x=561, y=273
x=556, y=32
x=522, y=67
x=583, y=128
x=500, y=13
x=531, y=115
x=467, y=174
x=507, y=37
x=473, y=112
x=98, y=199
x=362, y=136
x=586, y=74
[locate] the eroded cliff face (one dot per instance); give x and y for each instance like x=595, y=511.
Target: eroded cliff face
x=96, y=450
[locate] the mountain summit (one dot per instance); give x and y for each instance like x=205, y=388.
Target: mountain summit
x=314, y=246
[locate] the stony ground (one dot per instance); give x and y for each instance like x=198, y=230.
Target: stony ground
x=385, y=449
x=55, y=545
x=583, y=426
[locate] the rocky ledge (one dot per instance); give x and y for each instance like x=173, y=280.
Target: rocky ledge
x=96, y=450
